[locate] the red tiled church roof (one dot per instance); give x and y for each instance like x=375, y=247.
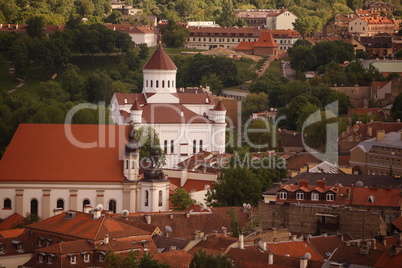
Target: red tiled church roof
x=266, y=40
x=159, y=61
x=43, y=152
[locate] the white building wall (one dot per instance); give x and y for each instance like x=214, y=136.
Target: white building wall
x=14, y=261
x=358, y=26
x=161, y=81
x=285, y=21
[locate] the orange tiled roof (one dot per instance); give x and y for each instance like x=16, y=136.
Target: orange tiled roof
x=245, y=45
x=215, y=244
x=294, y=249
x=325, y=245
x=47, y=154
x=386, y=261
x=159, y=61
x=177, y=259
x=265, y=40
x=224, y=31
x=184, y=98
x=12, y=220
x=12, y=232
x=398, y=223
x=83, y=226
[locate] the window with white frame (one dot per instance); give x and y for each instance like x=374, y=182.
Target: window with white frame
x=1, y=248
x=283, y=195
x=49, y=259
x=40, y=258
x=86, y=257
x=299, y=196
x=330, y=197
x=73, y=259
x=101, y=257
x=315, y=196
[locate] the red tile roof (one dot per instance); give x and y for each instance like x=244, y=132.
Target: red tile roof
x=387, y=261
x=171, y=114
x=266, y=40
x=381, y=197
x=12, y=232
x=12, y=220
x=215, y=244
x=325, y=245
x=220, y=107
x=398, y=223
x=136, y=106
x=83, y=226
x=176, y=259
x=224, y=31
x=159, y=61
x=47, y=154
x=351, y=255
x=294, y=249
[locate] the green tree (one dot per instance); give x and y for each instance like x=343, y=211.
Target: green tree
x=147, y=262
x=113, y=260
x=396, y=110
x=234, y=222
x=71, y=82
x=29, y=219
x=116, y=17
x=49, y=90
x=144, y=51
x=132, y=60
x=203, y=260
x=35, y=27
x=307, y=25
x=303, y=59
x=147, y=138
x=227, y=17
x=181, y=199
x=174, y=35
x=98, y=87
x=214, y=82
x=254, y=103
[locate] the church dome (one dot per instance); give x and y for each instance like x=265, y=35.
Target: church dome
x=132, y=145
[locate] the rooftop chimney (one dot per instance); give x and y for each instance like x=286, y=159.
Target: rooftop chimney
x=170, y=216
x=148, y=218
x=241, y=241
x=97, y=213
x=370, y=130
x=106, y=239
x=262, y=245
x=303, y=262
x=224, y=231
x=87, y=208
x=380, y=134
x=187, y=214
x=271, y=258
x=294, y=237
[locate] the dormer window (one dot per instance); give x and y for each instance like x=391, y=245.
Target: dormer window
x=370, y=199
x=283, y=195
x=72, y=258
x=49, y=242
x=40, y=241
x=50, y=259
x=86, y=257
x=299, y=195
x=330, y=197
x=145, y=244
x=18, y=245
x=101, y=257
x=315, y=196
x=40, y=258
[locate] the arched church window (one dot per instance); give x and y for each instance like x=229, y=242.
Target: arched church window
x=34, y=206
x=126, y=164
x=60, y=203
x=194, y=146
x=160, y=198
x=171, y=146
x=146, y=198
x=168, y=83
x=112, y=206
x=157, y=83
x=146, y=83
x=86, y=202
x=163, y=83
x=200, y=145
x=165, y=146
x=152, y=83
x=132, y=164
x=7, y=203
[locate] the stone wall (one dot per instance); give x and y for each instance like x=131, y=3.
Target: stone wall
x=301, y=218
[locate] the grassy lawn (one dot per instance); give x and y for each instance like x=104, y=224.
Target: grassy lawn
x=274, y=68
x=6, y=82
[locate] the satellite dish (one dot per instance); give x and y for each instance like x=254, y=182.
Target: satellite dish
x=307, y=256
x=244, y=205
x=125, y=213
x=359, y=184
x=248, y=206
x=99, y=206
x=168, y=229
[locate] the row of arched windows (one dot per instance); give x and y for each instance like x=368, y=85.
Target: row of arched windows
x=195, y=146
x=160, y=198
x=59, y=204
x=168, y=83
x=165, y=146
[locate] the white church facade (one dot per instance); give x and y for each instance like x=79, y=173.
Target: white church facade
x=49, y=168
x=186, y=122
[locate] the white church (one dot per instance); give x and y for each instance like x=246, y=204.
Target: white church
x=186, y=122
x=50, y=168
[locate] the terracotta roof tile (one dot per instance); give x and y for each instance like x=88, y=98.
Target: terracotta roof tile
x=245, y=45
x=55, y=154
x=215, y=244
x=220, y=107
x=266, y=40
x=350, y=254
x=12, y=220
x=159, y=61
x=165, y=242
x=11, y=232
x=325, y=245
x=177, y=259
x=82, y=225
x=136, y=106
x=398, y=223
x=294, y=249
x=386, y=261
